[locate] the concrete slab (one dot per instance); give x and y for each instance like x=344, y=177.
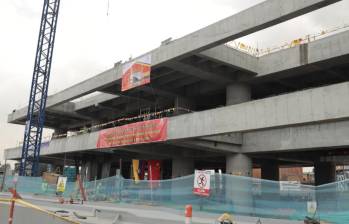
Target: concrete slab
x=330, y=49
x=253, y=19
x=324, y=104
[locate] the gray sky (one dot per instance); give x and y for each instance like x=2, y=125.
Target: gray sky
x=89, y=41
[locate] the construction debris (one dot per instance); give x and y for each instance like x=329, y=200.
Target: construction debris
x=225, y=219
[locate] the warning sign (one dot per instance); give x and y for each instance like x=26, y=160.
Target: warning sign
x=61, y=183
x=202, y=182
x=312, y=206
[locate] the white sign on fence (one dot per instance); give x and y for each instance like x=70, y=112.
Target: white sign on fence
x=202, y=182
x=311, y=206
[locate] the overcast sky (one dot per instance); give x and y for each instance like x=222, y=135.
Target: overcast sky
x=91, y=39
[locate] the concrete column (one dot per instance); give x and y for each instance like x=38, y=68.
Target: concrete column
x=238, y=190
x=270, y=170
x=106, y=169
x=325, y=172
x=182, y=103
x=238, y=93
x=239, y=165
x=270, y=190
x=86, y=170
x=83, y=170
x=93, y=171
x=182, y=167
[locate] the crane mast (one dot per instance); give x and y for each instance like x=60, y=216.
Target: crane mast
x=29, y=165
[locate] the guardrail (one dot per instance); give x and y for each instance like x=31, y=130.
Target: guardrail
x=258, y=52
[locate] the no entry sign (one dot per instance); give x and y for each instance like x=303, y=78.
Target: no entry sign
x=202, y=182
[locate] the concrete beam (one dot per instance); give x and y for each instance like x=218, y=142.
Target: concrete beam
x=232, y=138
x=186, y=81
x=218, y=147
x=305, y=137
x=199, y=73
x=164, y=80
x=329, y=49
x=232, y=58
x=258, y=17
x=100, y=98
x=68, y=108
x=158, y=91
x=313, y=105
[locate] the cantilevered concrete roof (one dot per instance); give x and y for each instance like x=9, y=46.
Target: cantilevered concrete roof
x=199, y=61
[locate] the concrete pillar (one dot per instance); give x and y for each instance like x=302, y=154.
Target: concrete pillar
x=239, y=165
x=182, y=105
x=270, y=170
x=106, y=169
x=182, y=167
x=86, y=170
x=93, y=171
x=270, y=190
x=83, y=170
x=325, y=172
x=238, y=93
x=238, y=190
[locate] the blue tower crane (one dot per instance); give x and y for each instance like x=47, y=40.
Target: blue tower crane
x=29, y=165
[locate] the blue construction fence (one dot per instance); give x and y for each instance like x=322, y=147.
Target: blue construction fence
x=233, y=194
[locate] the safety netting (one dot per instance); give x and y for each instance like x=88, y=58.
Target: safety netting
x=233, y=194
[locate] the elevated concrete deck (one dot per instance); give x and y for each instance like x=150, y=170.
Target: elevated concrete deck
x=315, y=56
x=320, y=107
x=205, y=42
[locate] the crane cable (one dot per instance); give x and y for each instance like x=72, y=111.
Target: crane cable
x=108, y=6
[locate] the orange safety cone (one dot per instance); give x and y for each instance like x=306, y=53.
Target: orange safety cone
x=188, y=214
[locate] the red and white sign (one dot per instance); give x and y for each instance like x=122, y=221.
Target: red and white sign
x=202, y=182
x=136, y=73
x=136, y=133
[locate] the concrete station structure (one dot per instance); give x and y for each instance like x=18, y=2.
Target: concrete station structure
x=232, y=111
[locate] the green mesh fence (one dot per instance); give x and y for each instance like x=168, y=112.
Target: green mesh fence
x=233, y=194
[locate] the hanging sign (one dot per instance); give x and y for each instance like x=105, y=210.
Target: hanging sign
x=61, y=183
x=135, y=133
x=136, y=73
x=202, y=182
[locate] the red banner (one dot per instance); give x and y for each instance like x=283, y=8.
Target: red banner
x=136, y=133
x=136, y=73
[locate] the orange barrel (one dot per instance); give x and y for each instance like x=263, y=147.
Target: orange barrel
x=188, y=214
